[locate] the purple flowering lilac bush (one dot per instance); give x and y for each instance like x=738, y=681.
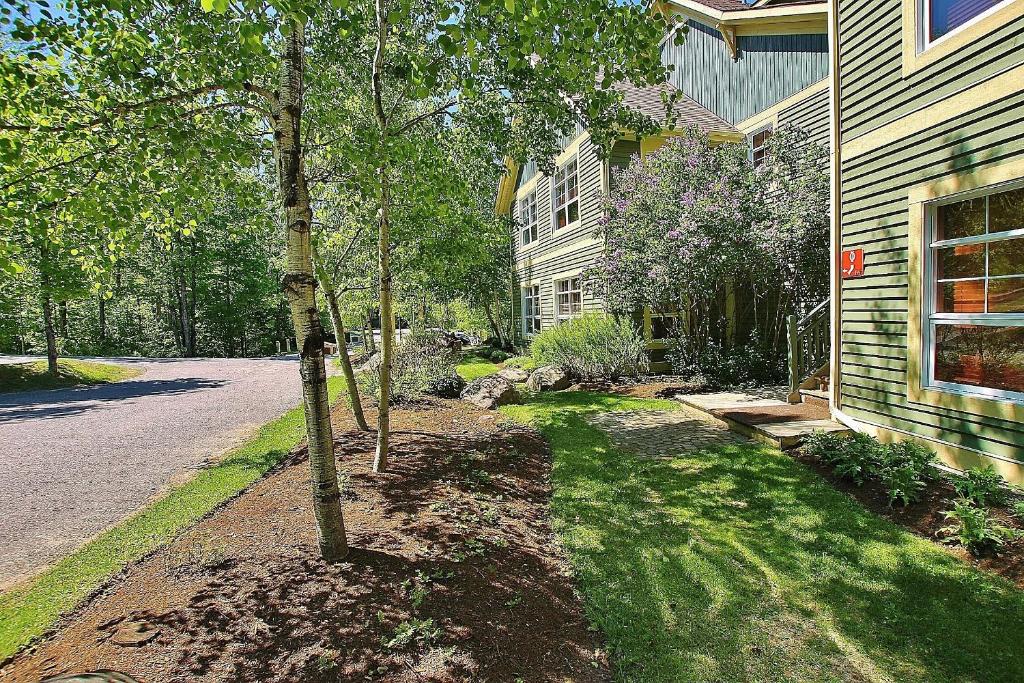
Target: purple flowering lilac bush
x=692, y=219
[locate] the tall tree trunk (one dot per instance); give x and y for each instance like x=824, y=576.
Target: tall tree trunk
x=103, y=319
x=51, y=337
x=339, y=334
x=387, y=317
x=300, y=289
x=62, y=319
x=495, y=327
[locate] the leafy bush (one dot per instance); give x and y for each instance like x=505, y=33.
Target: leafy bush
x=1018, y=510
x=903, y=469
x=420, y=361
x=717, y=365
x=499, y=356
x=974, y=529
x=593, y=346
x=449, y=386
x=982, y=486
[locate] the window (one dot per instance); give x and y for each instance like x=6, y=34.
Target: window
x=943, y=17
x=568, y=298
x=664, y=323
x=975, y=327
x=565, y=190
x=758, y=145
x=528, y=219
x=531, y=309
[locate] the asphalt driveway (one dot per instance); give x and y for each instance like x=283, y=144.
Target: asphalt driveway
x=75, y=461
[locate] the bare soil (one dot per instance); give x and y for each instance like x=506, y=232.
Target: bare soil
x=926, y=518
x=454, y=575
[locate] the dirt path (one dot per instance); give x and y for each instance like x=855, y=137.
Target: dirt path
x=75, y=461
x=454, y=576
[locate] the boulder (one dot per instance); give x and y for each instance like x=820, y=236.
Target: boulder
x=549, y=378
x=514, y=375
x=490, y=392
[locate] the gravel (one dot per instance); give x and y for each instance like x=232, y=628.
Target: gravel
x=76, y=461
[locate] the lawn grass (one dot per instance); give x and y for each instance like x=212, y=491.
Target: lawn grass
x=473, y=367
x=32, y=376
x=27, y=611
x=740, y=564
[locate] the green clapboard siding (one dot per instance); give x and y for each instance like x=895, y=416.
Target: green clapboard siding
x=874, y=213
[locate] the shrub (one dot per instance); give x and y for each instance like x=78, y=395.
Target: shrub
x=855, y=457
x=903, y=469
x=449, y=386
x=419, y=360
x=982, y=486
x=974, y=529
x=499, y=356
x=717, y=365
x=593, y=346
x=1018, y=510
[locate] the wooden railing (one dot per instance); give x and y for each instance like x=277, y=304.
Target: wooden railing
x=809, y=346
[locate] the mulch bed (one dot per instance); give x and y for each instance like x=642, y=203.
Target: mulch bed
x=925, y=517
x=454, y=575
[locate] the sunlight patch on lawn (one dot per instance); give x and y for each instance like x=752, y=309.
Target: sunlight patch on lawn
x=70, y=373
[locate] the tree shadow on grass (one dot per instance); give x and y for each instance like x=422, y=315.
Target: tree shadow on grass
x=740, y=564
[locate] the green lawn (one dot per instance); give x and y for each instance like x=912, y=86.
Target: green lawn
x=70, y=373
x=27, y=611
x=739, y=564
x=473, y=367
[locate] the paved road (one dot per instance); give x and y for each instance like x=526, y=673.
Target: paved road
x=75, y=461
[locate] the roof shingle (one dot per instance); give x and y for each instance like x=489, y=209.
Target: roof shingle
x=647, y=100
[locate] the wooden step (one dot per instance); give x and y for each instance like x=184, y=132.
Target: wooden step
x=814, y=396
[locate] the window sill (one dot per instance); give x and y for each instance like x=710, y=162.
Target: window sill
x=570, y=226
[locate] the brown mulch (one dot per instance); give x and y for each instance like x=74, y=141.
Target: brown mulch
x=454, y=575
x=925, y=517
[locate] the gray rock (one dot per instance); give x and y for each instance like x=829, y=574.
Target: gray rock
x=514, y=375
x=490, y=392
x=549, y=378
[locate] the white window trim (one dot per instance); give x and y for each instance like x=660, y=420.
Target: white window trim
x=750, y=139
x=525, y=246
x=537, y=311
x=925, y=28
x=930, y=319
x=559, y=318
x=575, y=158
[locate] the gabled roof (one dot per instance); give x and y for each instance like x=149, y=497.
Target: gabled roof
x=648, y=100
x=739, y=5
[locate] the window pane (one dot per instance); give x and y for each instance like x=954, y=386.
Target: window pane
x=966, y=260
x=1006, y=295
x=962, y=219
x=1006, y=257
x=946, y=15
x=1006, y=211
x=574, y=212
x=963, y=296
x=980, y=356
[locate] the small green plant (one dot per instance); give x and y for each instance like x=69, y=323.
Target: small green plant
x=1018, y=510
x=856, y=457
x=903, y=469
x=595, y=345
x=327, y=661
x=524, y=362
x=500, y=356
x=974, y=529
x=982, y=485
x=423, y=631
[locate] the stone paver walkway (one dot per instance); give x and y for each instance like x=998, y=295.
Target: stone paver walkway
x=663, y=434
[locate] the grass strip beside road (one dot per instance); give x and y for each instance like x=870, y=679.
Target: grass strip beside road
x=737, y=563
x=70, y=373
x=29, y=610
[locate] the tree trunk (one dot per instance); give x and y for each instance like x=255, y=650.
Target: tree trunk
x=103, y=319
x=51, y=337
x=495, y=327
x=299, y=287
x=387, y=317
x=339, y=334
x=62, y=319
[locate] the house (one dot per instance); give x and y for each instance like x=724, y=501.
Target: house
x=928, y=226
x=743, y=70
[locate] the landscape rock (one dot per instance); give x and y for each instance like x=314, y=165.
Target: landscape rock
x=549, y=378
x=490, y=392
x=514, y=375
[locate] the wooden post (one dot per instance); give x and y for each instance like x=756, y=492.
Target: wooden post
x=794, y=359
